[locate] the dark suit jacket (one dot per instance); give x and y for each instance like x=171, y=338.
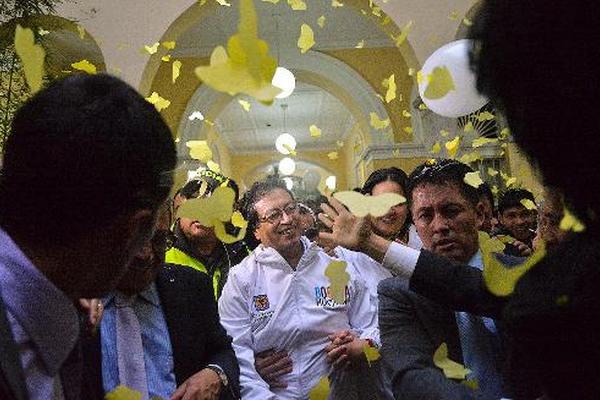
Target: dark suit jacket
x=197, y=337
x=12, y=381
x=412, y=328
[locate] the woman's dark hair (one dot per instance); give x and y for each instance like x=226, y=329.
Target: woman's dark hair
x=383, y=175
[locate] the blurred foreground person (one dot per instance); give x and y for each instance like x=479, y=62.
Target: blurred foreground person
x=86, y=166
x=160, y=334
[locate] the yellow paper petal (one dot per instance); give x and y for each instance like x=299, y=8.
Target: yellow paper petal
x=378, y=123
x=213, y=166
x=469, y=127
x=483, y=141
x=510, y=181
x=306, y=39
x=166, y=58
x=152, y=49
x=485, y=116
x=491, y=171
x=297, y=5
x=237, y=220
x=290, y=149
x=42, y=32
x=123, y=393
x=199, y=150
x=245, y=105
x=207, y=210
x=452, y=146
x=453, y=16
x=336, y=3
x=32, y=57
x=569, y=222
x=85, y=66
x=321, y=21
x=500, y=279
x=371, y=353
x=169, y=45
x=223, y=3
x=471, y=157
x=390, y=83
x=436, y=148
x=338, y=280
x=321, y=390
x=159, y=102
x=467, y=21
x=528, y=204
x=271, y=1
x=473, y=179
x=504, y=134
x=444, y=133
x=360, y=44
x=451, y=369
x=440, y=83
x=81, y=32
x=361, y=205
x=176, y=67
x=332, y=155
x=404, y=33
x=314, y=131
x=406, y=114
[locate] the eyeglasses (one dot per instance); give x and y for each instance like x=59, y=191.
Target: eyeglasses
x=162, y=240
x=275, y=215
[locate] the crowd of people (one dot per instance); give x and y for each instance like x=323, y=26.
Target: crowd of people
x=103, y=286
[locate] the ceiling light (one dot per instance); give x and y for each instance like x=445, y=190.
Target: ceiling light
x=285, y=80
x=287, y=166
x=331, y=182
x=284, y=143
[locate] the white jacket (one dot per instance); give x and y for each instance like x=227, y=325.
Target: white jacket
x=265, y=304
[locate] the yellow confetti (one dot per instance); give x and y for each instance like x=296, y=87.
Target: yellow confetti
x=321, y=390
x=569, y=222
x=396, y=153
x=500, y=279
x=176, y=69
x=339, y=143
x=297, y=5
x=406, y=114
x=42, y=32
x=338, y=280
x=248, y=68
x=169, y=45
x=290, y=149
x=436, y=148
x=491, y=171
x=470, y=157
x=152, y=49
x=408, y=129
x=158, y=101
x=223, y=3
x=411, y=72
x=469, y=127
x=361, y=205
x=440, y=82
x=306, y=39
x=485, y=116
x=32, y=57
x=390, y=84
x=371, y=353
x=245, y=105
x=378, y=123
x=213, y=166
x=423, y=107
x=199, y=150
x=451, y=369
x=85, y=66
x=123, y=393
x=419, y=77
x=504, y=134
x=360, y=44
x=321, y=21
x=444, y=133
x=166, y=58
x=271, y=1
x=510, y=181
x=467, y=21
x=81, y=32
x=237, y=220
x=483, y=141
x=453, y=16
x=336, y=3
x=473, y=179
x=404, y=33
x=452, y=146
x=528, y=204
x=314, y=131
x=207, y=210
x=333, y=155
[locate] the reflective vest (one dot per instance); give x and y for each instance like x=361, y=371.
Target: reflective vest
x=176, y=256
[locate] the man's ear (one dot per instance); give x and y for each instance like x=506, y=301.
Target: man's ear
x=480, y=210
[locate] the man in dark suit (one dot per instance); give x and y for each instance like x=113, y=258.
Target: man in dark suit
x=447, y=214
x=182, y=349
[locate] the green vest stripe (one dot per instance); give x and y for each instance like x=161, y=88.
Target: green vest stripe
x=176, y=256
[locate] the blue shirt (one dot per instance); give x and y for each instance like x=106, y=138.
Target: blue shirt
x=43, y=320
x=158, y=354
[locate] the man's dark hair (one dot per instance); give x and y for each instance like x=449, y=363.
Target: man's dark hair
x=254, y=194
x=443, y=172
x=536, y=59
x=485, y=191
x=512, y=198
x=382, y=175
x=213, y=181
x=82, y=152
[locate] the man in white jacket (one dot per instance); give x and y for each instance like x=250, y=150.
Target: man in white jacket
x=279, y=298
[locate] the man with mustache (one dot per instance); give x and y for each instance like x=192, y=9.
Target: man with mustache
x=447, y=214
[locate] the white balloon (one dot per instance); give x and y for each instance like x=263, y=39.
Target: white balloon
x=465, y=98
